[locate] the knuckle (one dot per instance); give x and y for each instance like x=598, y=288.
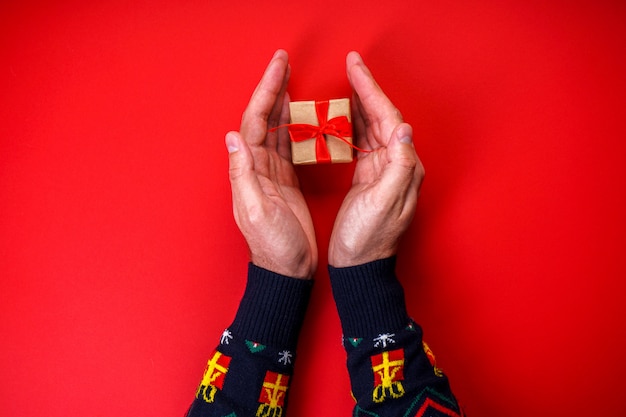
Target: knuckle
x=420, y=172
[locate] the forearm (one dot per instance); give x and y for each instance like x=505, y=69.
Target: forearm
x=392, y=371
x=249, y=372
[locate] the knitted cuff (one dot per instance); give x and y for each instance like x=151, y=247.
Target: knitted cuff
x=272, y=309
x=369, y=298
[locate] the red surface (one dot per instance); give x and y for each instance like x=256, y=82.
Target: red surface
x=121, y=263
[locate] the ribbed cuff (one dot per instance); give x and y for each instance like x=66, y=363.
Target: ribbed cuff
x=369, y=298
x=272, y=309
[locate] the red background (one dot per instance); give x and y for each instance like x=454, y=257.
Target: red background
x=121, y=263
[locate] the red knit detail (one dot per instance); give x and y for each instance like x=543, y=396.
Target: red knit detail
x=432, y=404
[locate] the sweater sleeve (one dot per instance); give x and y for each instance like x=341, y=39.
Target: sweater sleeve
x=392, y=370
x=249, y=372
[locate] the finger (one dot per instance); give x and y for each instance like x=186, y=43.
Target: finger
x=377, y=107
x=276, y=114
x=245, y=186
x=398, y=177
x=284, y=142
x=360, y=123
x=274, y=117
x=255, y=117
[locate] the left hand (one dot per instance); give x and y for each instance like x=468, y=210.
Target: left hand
x=268, y=206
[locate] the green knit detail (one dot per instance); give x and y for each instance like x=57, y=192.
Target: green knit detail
x=254, y=347
x=355, y=341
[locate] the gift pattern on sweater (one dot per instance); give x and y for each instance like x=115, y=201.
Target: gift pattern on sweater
x=244, y=378
x=396, y=374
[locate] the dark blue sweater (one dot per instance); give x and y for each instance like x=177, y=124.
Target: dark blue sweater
x=392, y=371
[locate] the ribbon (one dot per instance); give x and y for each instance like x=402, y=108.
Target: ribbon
x=339, y=126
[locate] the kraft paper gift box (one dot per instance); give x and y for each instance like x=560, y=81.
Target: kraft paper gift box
x=320, y=131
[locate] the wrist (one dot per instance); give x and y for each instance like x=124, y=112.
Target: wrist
x=272, y=308
x=302, y=267
x=340, y=256
x=369, y=298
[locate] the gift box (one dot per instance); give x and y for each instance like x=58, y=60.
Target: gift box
x=320, y=131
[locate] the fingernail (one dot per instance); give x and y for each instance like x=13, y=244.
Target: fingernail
x=278, y=53
x=358, y=55
x=405, y=134
x=231, y=143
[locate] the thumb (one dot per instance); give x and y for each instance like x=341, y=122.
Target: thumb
x=239, y=156
x=402, y=160
x=243, y=180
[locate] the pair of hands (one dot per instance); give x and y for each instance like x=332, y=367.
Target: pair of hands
x=268, y=205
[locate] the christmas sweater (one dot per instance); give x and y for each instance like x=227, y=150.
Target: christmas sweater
x=392, y=370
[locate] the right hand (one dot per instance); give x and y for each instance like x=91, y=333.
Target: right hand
x=381, y=203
